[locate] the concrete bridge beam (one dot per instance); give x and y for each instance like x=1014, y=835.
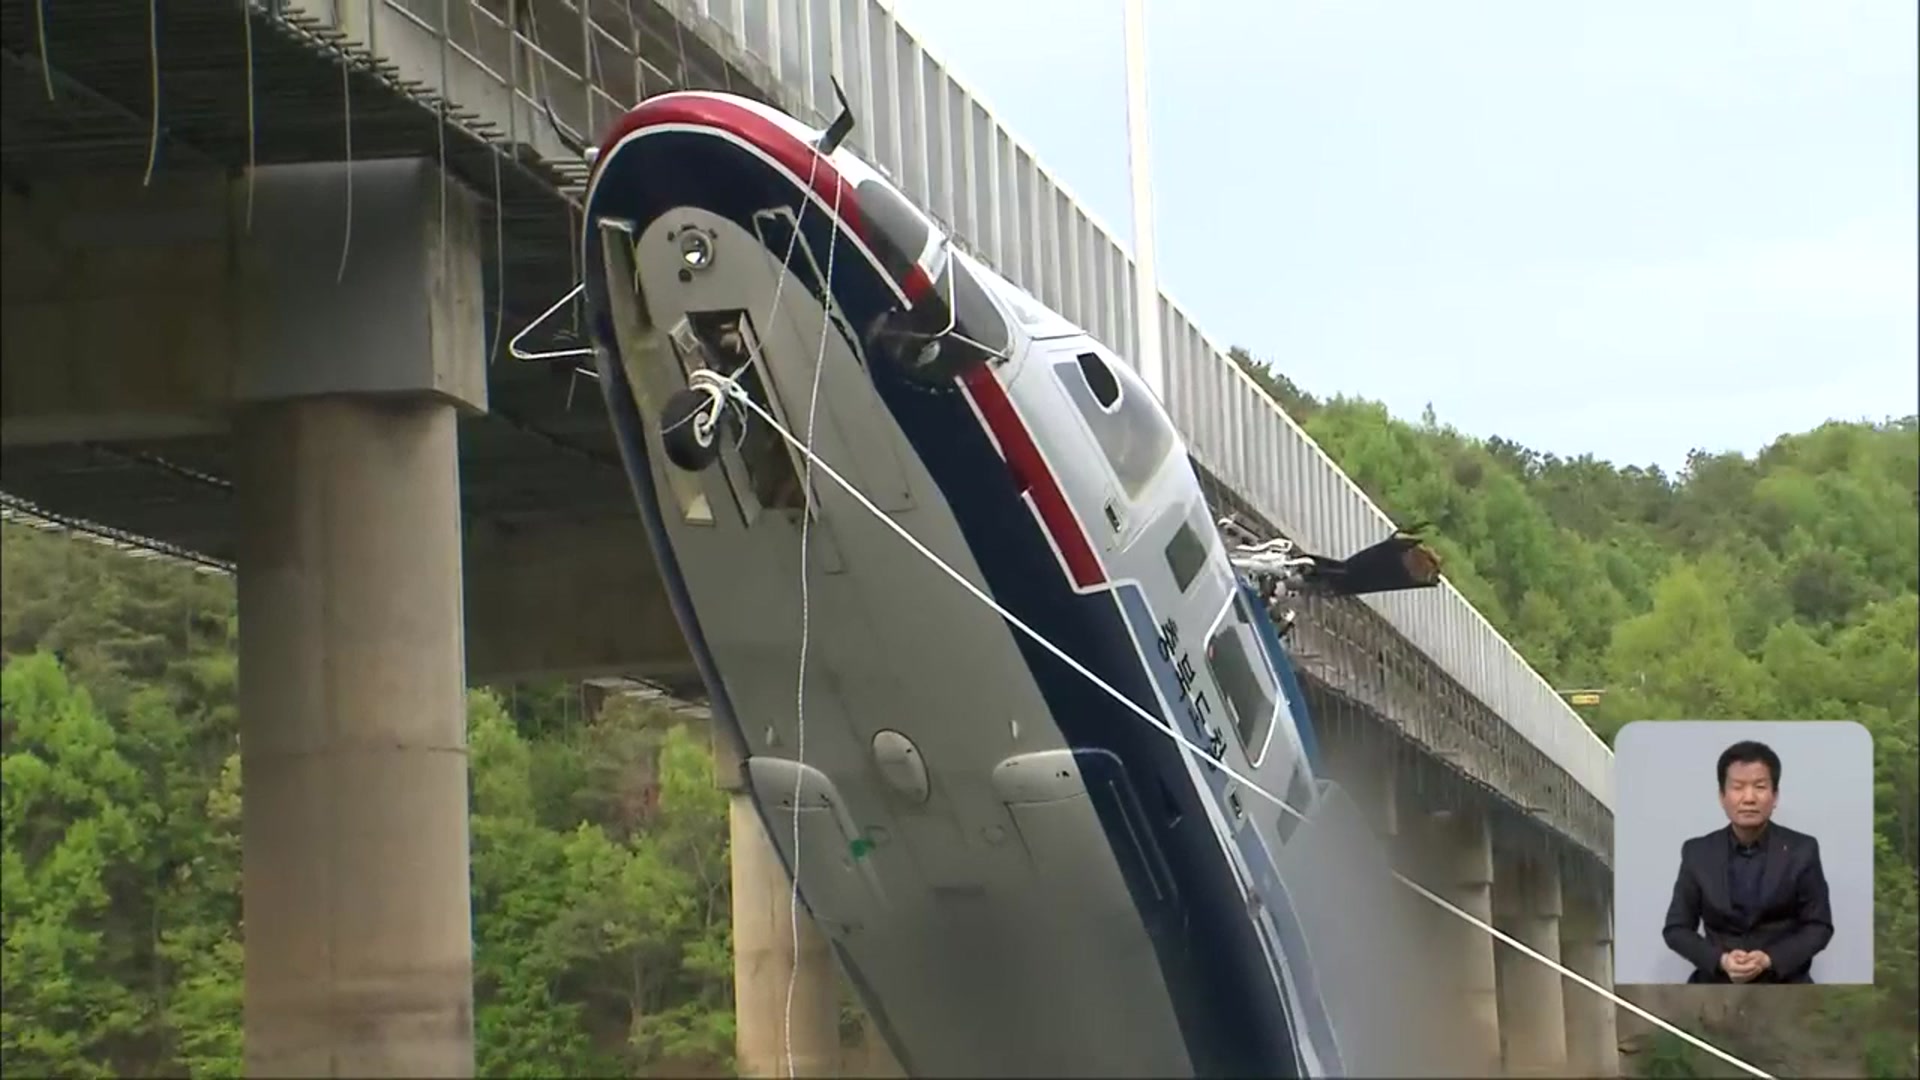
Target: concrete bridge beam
x=137, y=312
x=776, y=950
x=574, y=599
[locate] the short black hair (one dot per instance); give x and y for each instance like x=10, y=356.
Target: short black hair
x=1746, y=752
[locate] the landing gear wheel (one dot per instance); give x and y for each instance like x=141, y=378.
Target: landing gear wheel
x=689, y=445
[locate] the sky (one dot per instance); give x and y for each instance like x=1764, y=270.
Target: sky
x=1632, y=229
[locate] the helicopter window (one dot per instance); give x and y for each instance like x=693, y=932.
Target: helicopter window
x=978, y=318
x=977, y=332
x=1186, y=556
x=1245, y=680
x=1299, y=791
x=1128, y=424
x=900, y=232
x=1106, y=388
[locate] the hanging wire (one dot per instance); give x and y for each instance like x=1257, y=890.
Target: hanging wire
x=153, y=65
x=440, y=129
x=346, y=105
x=40, y=38
x=253, y=122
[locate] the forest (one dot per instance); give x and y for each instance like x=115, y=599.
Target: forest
x=1782, y=584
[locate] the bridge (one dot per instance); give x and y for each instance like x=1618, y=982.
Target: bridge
x=261, y=260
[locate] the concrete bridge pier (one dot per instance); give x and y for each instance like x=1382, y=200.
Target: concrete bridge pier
x=352, y=667
x=1586, y=946
x=1457, y=865
x=151, y=312
x=1532, y=1011
x=765, y=961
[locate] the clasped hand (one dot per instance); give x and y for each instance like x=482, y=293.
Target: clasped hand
x=1742, y=965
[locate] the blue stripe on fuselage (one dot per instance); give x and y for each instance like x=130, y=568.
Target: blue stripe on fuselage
x=1282, y=662
x=1283, y=939
x=1231, y=1013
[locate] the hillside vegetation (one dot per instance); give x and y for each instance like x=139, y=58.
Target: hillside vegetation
x=1782, y=585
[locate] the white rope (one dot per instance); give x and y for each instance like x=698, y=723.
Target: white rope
x=806, y=605
x=704, y=421
x=718, y=384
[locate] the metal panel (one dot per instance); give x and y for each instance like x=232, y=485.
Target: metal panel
x=913, y=117
x=1012, y=217
x=757, y=21
x=856, y=66
x=790, y=42
x=966, y=198
x=1030, y=275
x=1053, y=273
x=1067, y=221
x=1172, y=350
x=938, y=115
x=821, y=52
x=885, y=106
x=1092, y=279
x=1100, y=270
x=985, y=178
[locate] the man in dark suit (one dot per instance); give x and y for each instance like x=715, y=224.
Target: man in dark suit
x=1755, y=887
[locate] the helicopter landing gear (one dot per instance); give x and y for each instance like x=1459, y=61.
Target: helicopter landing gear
x=690, y=428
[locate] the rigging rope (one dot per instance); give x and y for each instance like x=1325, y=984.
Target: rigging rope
x=724, y=386
x=806, y=598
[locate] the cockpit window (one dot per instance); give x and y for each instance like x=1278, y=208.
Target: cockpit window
x=976, y=317
x=900, y=232
x=1240, y=669
x=1299, y=793
x=1127, y=423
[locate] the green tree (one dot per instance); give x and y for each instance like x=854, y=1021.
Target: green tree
x=69, y=840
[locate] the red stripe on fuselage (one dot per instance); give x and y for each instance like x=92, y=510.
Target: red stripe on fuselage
x=793, y=154
x=1031, y=474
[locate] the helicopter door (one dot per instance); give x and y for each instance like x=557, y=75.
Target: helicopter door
x=1128, y=428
